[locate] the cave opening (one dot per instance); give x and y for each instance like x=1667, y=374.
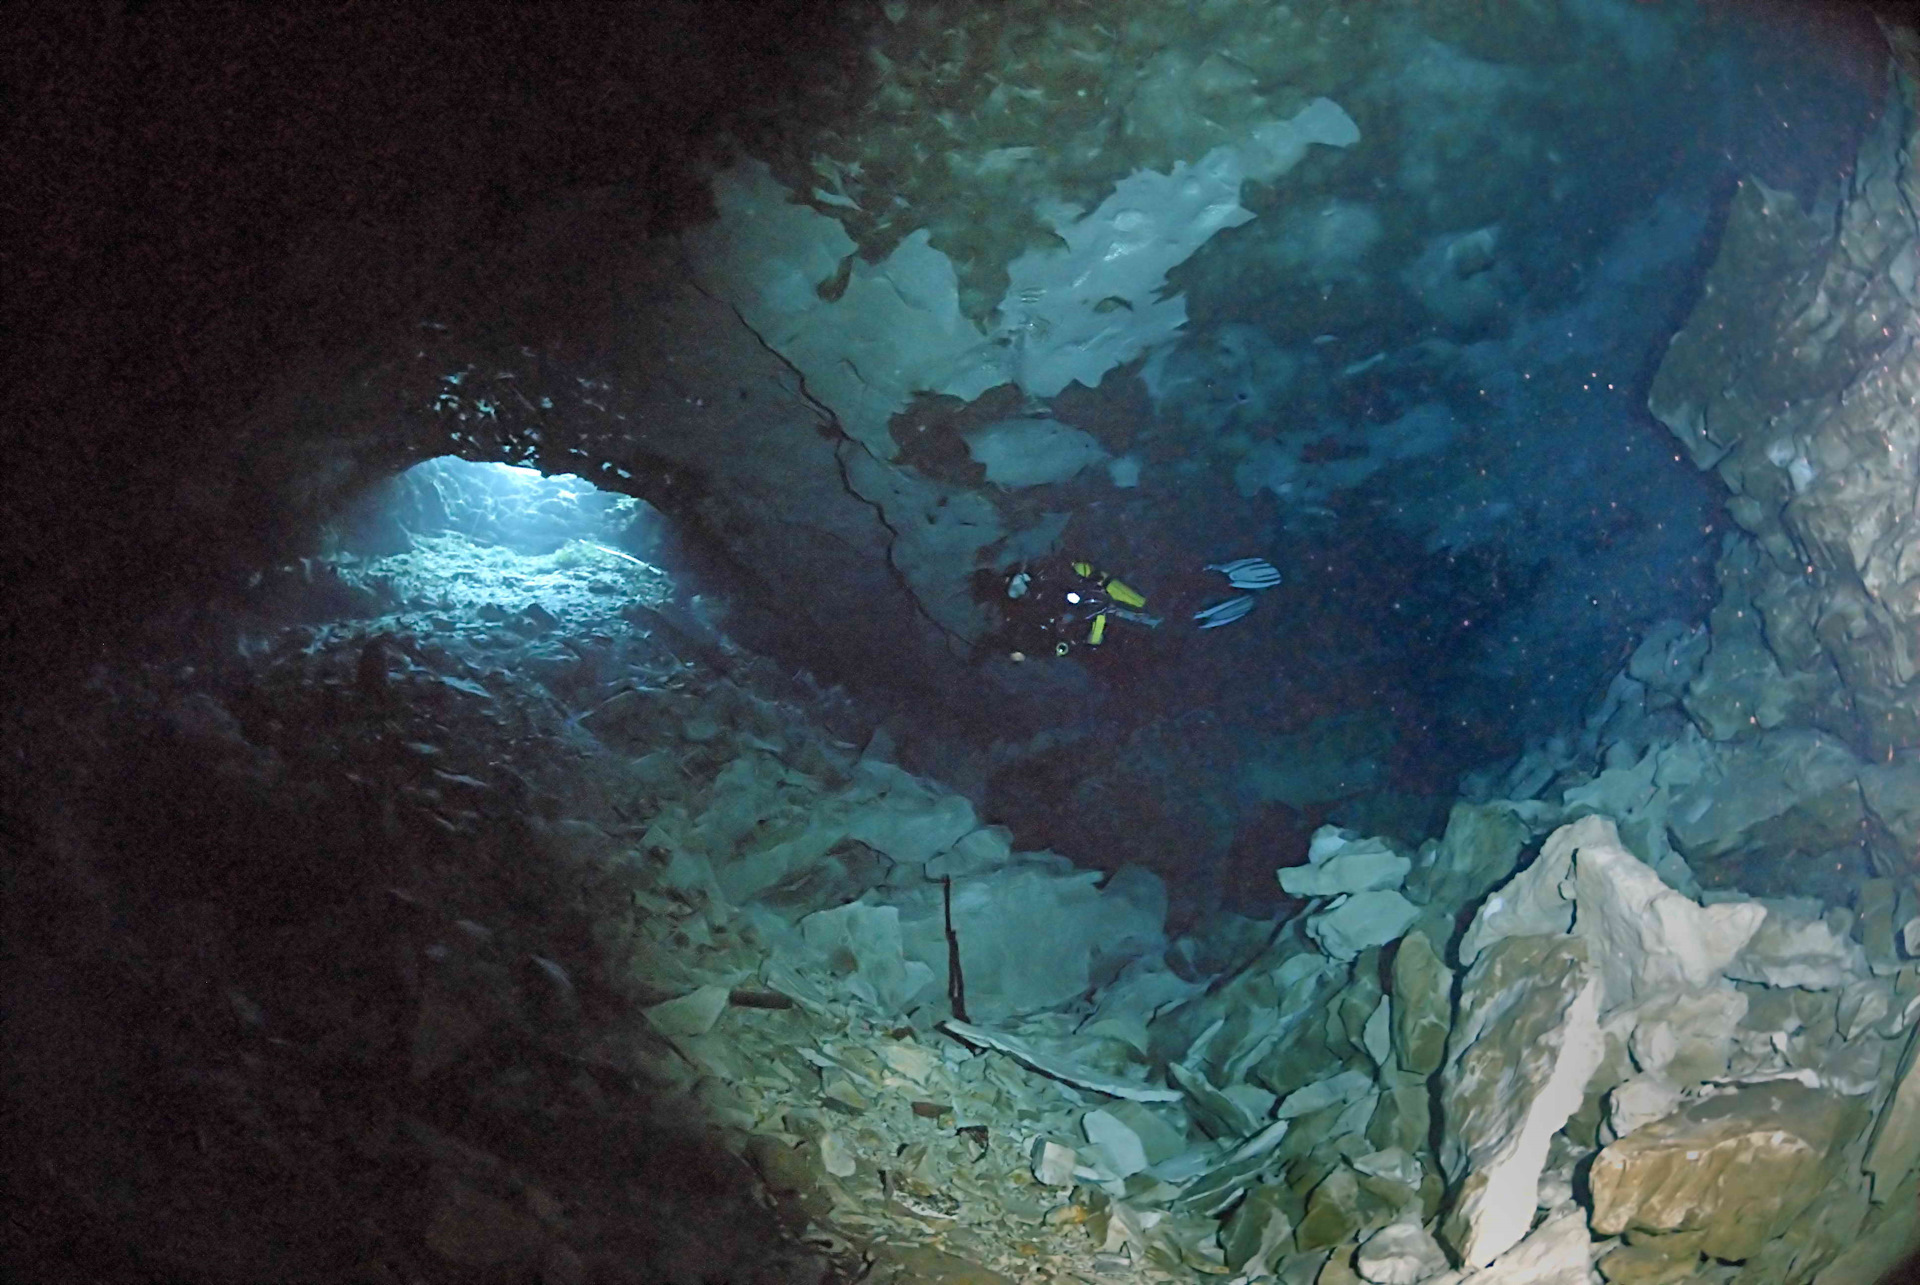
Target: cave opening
x=520, y=768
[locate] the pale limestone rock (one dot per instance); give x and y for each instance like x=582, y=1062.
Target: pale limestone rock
x=1872, y=1258
x=1400, y=1254
x=1641, y=1100
x=1032, y=452
x=1403, y=1117
x=1356, y=1117
x=1799, y=950
x=1053, y=1163
x=1422, y=1005
x=1647, y=939
x=1234, y=1112
x=987, y=848
x=1689, y=1036
x=1558, y=1252
x=1338, y=1268
x=1526, y=1042
x=1737, y=1168
x=1537, y=901
x=1396, y=1164
x=916, y=1062
x=911, y=822
x=867, y=936
x=1864, y=1004
x=1874, y=904
x=1338, y=1210
x=1891, y=792
x=1668, y=656
x=1396, y=1178
x=1057, y=1067
x=1357, y=922
x=1790, y=789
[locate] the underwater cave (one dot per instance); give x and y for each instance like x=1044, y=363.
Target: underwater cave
x=906, y=641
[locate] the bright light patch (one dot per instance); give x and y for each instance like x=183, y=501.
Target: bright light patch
x=518, y=508
x=458, y=534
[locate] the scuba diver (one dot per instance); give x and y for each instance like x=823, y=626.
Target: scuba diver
x=1053, y=606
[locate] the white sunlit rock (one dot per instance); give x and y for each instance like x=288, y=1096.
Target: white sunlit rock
x=1525, y=1044
x=1538, y=900
x=1645, y=938
x=1053, y=1163
x=1557, y=1252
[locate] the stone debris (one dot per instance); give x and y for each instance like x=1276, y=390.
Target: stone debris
x=1734, y=1169
x=1400, y=1254
x=1348, y=865
x=746, y=942
x=1355, y=922
x=1524, y=1047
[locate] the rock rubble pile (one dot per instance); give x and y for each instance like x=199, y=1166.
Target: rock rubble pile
x=621, y=895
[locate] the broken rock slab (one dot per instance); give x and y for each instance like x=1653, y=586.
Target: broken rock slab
x=1422, y=1011
x=1400, y=1254
x=1353, y=865
x=1526, y=1043
x=1057, y=1068
x=1798, y=946
x=1558, y=1252
x=692, y=1014
x=1736, y=1168
x=1053, y=1163
x=860, y=943
x=1128, y=1132
x=1647, y=939
x=1364, y=919
x=1895, y=1149
x=1035, y=935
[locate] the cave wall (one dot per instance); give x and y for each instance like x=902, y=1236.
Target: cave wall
x=1794, y=381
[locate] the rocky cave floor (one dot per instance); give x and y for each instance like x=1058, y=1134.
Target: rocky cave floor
x=531, y=930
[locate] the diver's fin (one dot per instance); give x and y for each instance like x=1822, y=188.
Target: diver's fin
x=1224, y=613
x=1247, y=573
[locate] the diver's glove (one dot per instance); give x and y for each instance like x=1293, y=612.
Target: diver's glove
x=1224, y=613
x=1247, y=573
